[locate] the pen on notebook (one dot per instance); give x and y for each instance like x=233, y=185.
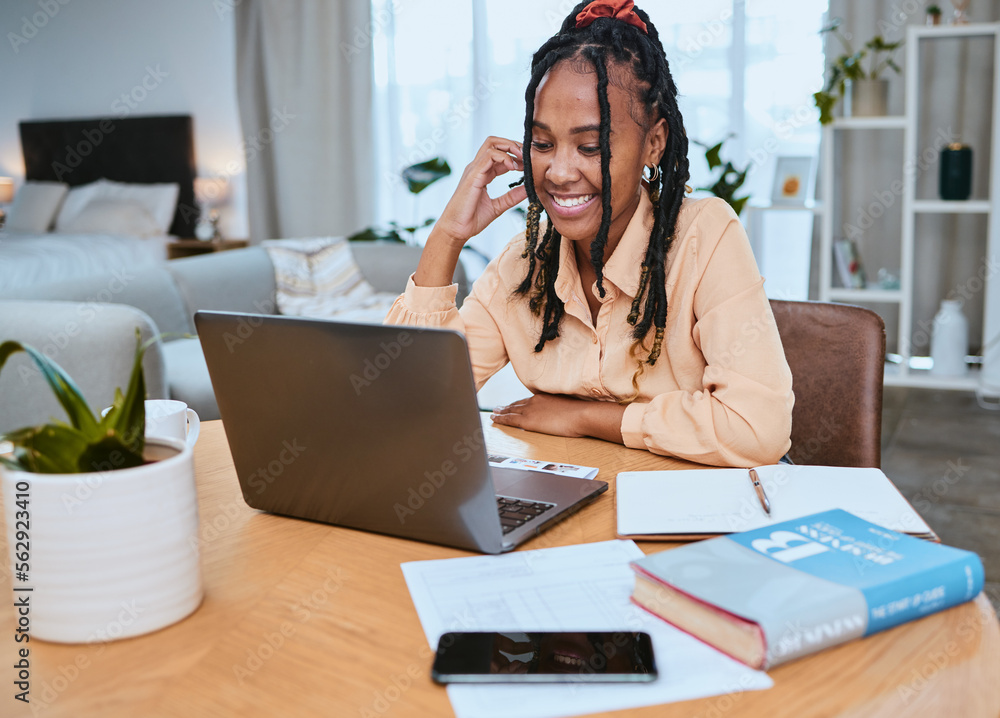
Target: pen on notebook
x=755, y=480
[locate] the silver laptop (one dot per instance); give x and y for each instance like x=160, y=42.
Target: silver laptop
x=371, y=427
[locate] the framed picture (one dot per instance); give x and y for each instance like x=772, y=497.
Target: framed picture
x=793, y=180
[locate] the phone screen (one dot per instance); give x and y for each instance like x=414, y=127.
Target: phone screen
x=544, y=657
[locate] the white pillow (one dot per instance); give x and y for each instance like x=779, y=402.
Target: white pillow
x=160, y=200
x=76, y=199
x=35, y=206
x=113, y=216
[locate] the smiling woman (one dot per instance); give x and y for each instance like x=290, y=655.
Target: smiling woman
x=578, y=303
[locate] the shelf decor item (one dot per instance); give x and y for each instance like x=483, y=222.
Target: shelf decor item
x=793, y=181
x=6, y=197
x=955, y=179
x=847, y=69
x=949, y=340
x=933, y=15
x=102, y=525
x=210, y=192
x=961, y=16
x=848, y=261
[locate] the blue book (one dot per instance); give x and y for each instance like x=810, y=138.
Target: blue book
x=774, y=594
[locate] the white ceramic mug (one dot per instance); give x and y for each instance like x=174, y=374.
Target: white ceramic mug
x=170, y=419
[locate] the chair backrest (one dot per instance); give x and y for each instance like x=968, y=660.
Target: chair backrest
x=837, y=354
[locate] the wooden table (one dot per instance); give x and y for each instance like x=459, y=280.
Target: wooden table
x=180, y=248
x=304, y=619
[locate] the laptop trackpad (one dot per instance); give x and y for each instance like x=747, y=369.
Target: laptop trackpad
x=503, y=479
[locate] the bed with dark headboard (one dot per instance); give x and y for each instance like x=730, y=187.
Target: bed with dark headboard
x=138, y=151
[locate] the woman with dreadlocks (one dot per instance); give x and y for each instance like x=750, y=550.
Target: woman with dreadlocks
x=632, y=313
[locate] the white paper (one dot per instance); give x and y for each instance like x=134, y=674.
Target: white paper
x=724, y=501
x=548, y=467
x=584, y=587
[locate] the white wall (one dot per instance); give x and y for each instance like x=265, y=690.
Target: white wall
x=89, y=58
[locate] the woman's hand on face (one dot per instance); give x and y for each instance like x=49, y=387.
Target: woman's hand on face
x=470, y=210
x=563, y=416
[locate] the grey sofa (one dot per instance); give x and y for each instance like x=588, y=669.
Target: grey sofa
x=88, y=325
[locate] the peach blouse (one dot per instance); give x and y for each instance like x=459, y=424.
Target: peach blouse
x=720, y=392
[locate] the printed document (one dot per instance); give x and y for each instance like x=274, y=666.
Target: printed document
x=567, y=588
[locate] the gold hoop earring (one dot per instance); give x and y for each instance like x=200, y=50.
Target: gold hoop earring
x=654, y=173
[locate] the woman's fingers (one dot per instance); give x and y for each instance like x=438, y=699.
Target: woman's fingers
x=511, y=199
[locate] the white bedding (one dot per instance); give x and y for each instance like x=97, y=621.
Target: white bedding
x=30, y=259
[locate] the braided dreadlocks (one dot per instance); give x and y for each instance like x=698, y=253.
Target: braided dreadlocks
x=608, y=41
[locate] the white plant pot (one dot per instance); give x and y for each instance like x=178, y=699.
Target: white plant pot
x=867, y=98
x=110, y=554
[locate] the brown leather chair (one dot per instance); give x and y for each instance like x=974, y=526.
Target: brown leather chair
x=837, y=354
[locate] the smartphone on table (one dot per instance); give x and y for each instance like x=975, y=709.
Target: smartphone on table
x=544, y=657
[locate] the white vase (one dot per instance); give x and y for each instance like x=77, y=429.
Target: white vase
x=949, y=340
x=110, y=554
x=867, y=98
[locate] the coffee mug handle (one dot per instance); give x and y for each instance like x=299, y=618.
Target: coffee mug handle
x=194, y=426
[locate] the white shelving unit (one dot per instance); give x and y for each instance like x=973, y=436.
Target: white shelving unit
x=907, y=371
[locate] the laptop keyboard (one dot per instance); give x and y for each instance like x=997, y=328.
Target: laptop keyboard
x=514, y=513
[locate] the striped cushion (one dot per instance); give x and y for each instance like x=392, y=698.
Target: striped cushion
x=319, y=278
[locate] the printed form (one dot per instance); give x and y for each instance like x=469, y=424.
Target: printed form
x=583, y=587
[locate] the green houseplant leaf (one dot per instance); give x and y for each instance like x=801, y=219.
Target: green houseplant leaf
x=729, y=180
x=85, y=444
x=423, y=174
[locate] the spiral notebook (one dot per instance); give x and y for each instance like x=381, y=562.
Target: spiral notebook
x=696, y=504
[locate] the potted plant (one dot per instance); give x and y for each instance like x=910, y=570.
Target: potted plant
x=102, y=525
x=729, y=180
x=418, y=177
x=933, y=15
x=869, y=92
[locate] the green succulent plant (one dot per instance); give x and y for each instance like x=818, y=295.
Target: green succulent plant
x=849, y=67
x=87, y=443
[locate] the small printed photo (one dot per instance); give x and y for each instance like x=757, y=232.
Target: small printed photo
x=793, y=179
x=496, y=458
x=563, y=468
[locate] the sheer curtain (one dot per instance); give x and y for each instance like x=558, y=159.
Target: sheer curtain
x=304, y=85
x=448, y=73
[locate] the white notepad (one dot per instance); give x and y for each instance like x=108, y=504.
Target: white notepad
x=696, y=503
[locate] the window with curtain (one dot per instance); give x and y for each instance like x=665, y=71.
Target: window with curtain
x=448, y=73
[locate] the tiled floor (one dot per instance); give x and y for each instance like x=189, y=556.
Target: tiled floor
x=943, y=452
